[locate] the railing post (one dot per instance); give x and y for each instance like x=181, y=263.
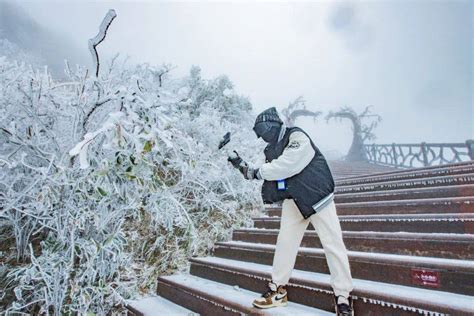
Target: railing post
x=373, y=153
x=425, y=156
x=394, y=155
x=470, y=148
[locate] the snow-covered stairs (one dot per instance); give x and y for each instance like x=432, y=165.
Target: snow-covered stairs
x=341, y=169
x=423, y=223
x=410, y=239
x=399, y=174
x=407, y=206
x=389, y=268
x=215, y=298
x=450, y=246
x=313, y=289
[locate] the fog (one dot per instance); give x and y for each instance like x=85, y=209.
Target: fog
x=411, y=60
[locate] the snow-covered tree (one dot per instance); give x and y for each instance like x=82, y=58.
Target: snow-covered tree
x=296, y=109
x=361, y=131
x=108, y=181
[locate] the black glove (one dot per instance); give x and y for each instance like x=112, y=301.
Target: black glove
x=249, y=173
x=235, y=159
x=238, y=163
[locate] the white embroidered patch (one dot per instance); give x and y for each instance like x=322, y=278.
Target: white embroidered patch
x=294, y=144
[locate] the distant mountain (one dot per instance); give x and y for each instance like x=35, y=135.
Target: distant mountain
x=21, y=37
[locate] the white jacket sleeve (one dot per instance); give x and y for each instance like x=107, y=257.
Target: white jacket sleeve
x=295, y=157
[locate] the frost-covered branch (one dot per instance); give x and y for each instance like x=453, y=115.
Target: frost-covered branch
x=94, y=42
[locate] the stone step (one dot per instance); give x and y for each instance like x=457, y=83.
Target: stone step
x=341, y=174
x=452, y=275
x=156, y=305
x=343, y=169
x=441, y=181
x=444, y=170
x=413, y=206
x=466, y=190
x=407, y=194
x=450, y=246
x=422, y=223
x=313, y=289
x=208, y=297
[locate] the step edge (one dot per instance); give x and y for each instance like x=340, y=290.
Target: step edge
x=404, y=181
x=364, y=289
x=455, y=237
x=167, y=280
x=441, y=263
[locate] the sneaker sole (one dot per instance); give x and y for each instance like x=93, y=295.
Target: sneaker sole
x=335, y=309
x=282, y=304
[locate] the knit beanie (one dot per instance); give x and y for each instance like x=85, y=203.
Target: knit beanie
x=269, y=115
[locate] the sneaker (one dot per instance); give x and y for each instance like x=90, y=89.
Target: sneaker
x=343, y=306
x=275, y=296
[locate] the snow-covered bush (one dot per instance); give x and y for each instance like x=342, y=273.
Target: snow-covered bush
x=108, y=182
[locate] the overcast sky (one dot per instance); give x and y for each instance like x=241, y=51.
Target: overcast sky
x=411, y=60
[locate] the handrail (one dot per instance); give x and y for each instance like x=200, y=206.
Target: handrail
x=419, y=155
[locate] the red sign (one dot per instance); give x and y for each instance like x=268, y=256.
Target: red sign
x=425, y=277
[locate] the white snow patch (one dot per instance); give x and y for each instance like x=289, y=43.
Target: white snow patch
x=152, y=305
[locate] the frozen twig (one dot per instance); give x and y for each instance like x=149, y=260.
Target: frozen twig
x=93, y=42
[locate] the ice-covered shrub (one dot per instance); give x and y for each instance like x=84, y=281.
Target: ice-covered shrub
x=108, y=182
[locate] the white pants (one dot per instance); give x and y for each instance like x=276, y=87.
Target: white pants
x=328, y=228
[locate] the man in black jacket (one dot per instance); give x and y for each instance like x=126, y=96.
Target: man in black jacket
x=297, y=173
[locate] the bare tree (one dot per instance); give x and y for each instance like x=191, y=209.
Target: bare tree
x=297, y=108
x=361, y=132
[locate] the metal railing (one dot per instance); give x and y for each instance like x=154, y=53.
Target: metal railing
x=419, y=155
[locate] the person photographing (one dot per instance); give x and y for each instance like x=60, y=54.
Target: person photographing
x=296, y=172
